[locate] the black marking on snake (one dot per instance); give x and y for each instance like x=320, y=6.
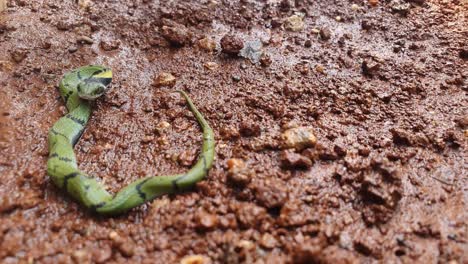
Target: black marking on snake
x=97, y=206
x=174, y=183
x=76, y=120
x=104, y=81
x=140, y=192
x=53, y=155
x=65, y=159
x=77, y=137
x=66, y=97
x=86, y=187
x=79, y=76
x=98, y=72
x=204, y=161
x=55, y=168
x=58, y=133
x=67, y=178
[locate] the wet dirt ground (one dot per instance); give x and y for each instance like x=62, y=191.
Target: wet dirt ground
x=381, y=85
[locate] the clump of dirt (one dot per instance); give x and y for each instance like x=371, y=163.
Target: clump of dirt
x=340, y=126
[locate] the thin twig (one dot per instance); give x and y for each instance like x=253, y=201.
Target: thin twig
x=442, y=181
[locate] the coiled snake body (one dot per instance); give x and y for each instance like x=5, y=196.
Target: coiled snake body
x=77, y=89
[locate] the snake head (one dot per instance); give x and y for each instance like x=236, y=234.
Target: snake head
x=95, y=84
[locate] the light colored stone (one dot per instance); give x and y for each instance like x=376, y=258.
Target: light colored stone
x=195, y=259
x=163, y=125
x=80, y=255
x=83, y=3
x=238, y=172
x=295, y=22
x=207, y=44
x=165, y=79
x=268, y=241
x=298, y=138
x=246, y=244
x=114, y=236
x=211, y=66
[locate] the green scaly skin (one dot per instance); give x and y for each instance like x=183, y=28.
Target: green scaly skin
x=62, y=165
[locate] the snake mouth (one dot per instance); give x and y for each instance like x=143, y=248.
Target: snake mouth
x=89, y=96
x=93, y=95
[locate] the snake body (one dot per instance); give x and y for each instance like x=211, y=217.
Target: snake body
x=78, y=88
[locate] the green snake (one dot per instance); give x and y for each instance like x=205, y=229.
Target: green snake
x=78, y=89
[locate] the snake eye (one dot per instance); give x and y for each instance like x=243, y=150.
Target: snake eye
x=99, y=90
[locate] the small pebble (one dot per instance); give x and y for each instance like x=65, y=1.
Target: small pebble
x=185, y=158
x=206, y=221
x=85, y=40
x=83, y=4
x=236, y=78
x=19, y=55
x=354, y=7
x=163, y=125
x=265, y=60
x=298, y=138
x=195, y=259
x=295, y=22
x=211, y=66
x=207, y=44
x=345, y=240
x=79, y=255
x=249, y=129
x=268, y=241
x=165, y=79
x=294, y=160
x=147, y=139
x=246, y=244
x=373, y=2
x=370, y=67
x=114, y=236
x=72, y=49
x=109, y=45
x=125, y=248
x=231, y=44
x=102, y=254
x=229, y=132
x=325, y=33
x=238, y=172
x=400, y=7
x=315, y=31
x=178, y=35
x=276, y=23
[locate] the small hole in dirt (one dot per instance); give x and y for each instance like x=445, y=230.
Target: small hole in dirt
x=400, y=252
x=274, y=212
x=337, y=177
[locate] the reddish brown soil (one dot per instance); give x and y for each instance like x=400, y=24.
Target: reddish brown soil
x=383, y=88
